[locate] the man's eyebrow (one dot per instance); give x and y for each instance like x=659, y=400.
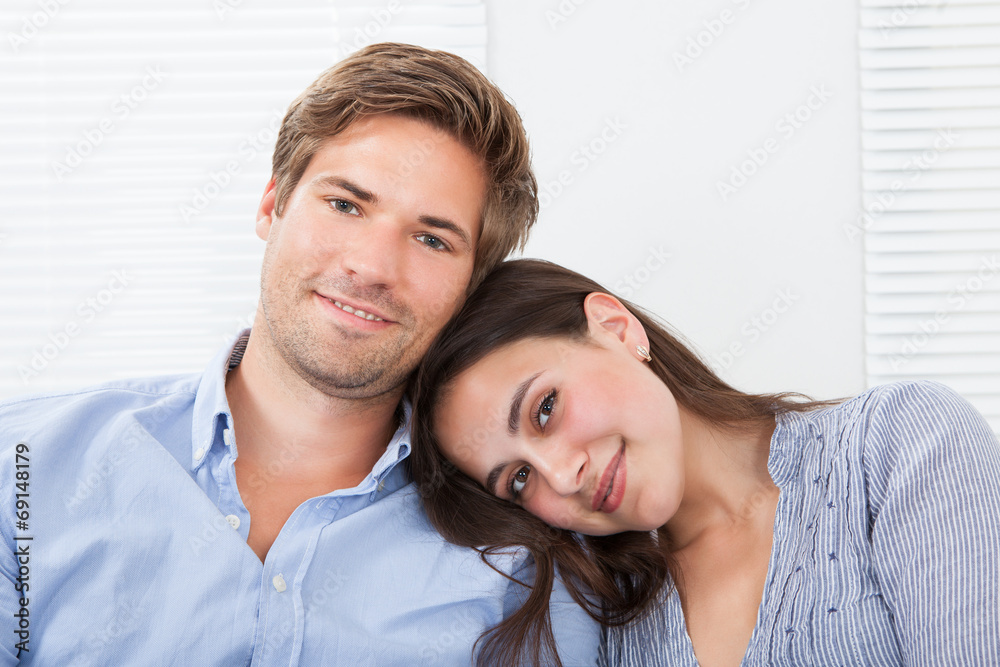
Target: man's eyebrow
x=514, y=416
x=441, y=223
x=366, y=196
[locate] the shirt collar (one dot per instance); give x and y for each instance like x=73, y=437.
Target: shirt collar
x=795, y=434
x=398, y=448
x=211, y=404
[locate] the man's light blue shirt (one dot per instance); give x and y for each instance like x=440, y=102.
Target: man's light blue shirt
x=129, y=547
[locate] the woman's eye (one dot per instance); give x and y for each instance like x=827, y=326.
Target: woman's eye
x=545, y=409
x=432, y=241
x=519, y=480
x=344, y=206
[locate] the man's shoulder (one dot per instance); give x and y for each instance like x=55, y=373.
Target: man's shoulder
x=23, y=416
x=132, y=389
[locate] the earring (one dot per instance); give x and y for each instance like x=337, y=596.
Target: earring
x=643, y=352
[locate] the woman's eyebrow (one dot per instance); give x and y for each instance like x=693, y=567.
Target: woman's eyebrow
x=513, y=417
x=491, y=479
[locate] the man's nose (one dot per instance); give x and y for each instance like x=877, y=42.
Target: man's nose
x=374, y=253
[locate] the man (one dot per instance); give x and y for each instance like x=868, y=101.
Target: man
x=259, y=514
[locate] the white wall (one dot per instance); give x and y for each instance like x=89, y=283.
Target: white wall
x=576, y=68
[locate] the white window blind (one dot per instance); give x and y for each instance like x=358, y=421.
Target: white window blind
x=136, y=143
x=930, y=77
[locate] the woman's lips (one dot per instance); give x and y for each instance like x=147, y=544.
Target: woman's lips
x=612, y=489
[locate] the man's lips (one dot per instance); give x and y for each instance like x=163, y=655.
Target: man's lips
x=359, y=310
x=611, y=490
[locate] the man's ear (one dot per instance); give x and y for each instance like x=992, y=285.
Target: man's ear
x=606, y=315
x=265, y=212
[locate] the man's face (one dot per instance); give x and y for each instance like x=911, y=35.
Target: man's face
x=372, y=254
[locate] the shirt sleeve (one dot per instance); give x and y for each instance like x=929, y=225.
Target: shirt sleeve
x=577, y=635
x=602, y=654
x=932, y=470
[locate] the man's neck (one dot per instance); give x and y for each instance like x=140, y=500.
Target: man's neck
x=309, y=438
x=294, y=442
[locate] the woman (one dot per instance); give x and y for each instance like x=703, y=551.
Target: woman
x=718, y=528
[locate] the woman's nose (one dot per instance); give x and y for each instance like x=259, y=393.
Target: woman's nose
x=563, y=469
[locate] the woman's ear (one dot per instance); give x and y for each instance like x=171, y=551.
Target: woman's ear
x=606, y=316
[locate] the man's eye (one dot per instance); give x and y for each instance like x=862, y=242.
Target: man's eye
x=519, y=481
x=432, y=242
x=344, y=206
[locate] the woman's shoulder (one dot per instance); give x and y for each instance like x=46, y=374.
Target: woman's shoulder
x=905, y=404
x=914, y=428
x=884, y=425
x=918, y=410
x=904, y=396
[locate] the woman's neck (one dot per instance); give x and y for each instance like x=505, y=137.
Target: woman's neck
x=726, y=481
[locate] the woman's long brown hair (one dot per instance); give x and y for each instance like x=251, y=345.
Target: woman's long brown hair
x=615, y=578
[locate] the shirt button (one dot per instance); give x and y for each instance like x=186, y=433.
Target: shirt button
x=381, y=485
x=199, y=454
x=227, y=437
x=233, y=520
x=279, y=583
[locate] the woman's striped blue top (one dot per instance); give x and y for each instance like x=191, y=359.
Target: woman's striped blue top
x=886, y=541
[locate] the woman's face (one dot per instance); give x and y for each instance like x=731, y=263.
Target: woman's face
x=581, y=434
